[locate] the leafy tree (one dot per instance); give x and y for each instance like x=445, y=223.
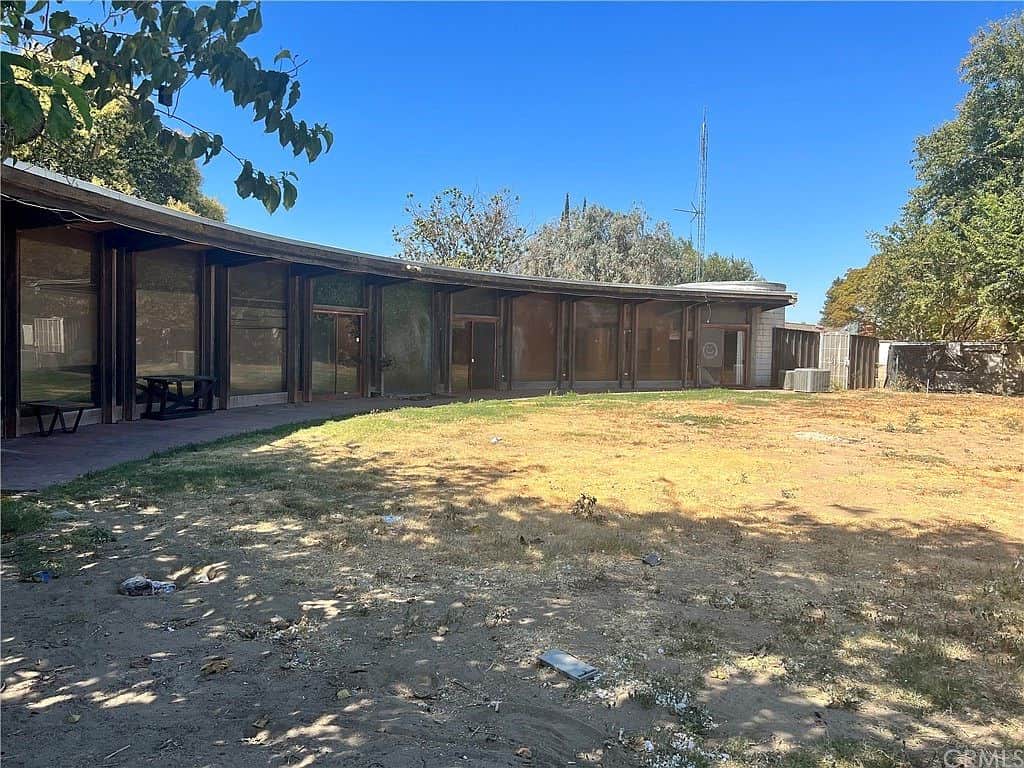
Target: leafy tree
x=952, y=266
x=596, y=243
x=144, y=54
x=845, y=301
x=116, y=153
x=458, y=230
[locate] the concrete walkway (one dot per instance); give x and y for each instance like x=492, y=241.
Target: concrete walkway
x=33, y=463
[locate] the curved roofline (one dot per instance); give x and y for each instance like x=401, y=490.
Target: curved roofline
x=37, y=186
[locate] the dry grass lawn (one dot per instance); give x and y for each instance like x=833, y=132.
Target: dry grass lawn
x=842, y=582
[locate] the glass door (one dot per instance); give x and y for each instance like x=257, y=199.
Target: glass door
x=721, y=357
x=337, y=346
x=473, y=355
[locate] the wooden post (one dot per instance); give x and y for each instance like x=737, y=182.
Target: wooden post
x=106, y=358
x=222, y=332
x=10, y=366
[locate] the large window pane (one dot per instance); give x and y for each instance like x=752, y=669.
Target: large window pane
x=475, y=301
x=659, y=336
x=258, y=328
x=339, y=290
x=534, y=337
x=597, y=341
x=59, y=317
x=407, y=339
x=166, y=312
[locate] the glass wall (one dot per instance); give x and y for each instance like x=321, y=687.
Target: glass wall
x=534, y=338
x=407, y=338
x=59, y=285
x=166, y=312
x=475, y=301
x=597, y=340
x=258, y=328
x=339, y=290
x=721, y=358
x=659, y=336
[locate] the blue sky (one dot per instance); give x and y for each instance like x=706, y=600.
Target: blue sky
x=813, y=110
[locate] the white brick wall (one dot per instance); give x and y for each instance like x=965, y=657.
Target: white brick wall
x=761, y=374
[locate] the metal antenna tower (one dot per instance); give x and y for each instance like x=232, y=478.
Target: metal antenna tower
x=699, y=209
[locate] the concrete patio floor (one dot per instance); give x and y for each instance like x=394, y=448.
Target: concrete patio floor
x=33, y=462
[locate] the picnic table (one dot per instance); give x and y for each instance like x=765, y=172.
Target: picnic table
x=58, y=408
x=173, y=402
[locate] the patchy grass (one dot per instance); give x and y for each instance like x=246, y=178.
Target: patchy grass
x=867, y=587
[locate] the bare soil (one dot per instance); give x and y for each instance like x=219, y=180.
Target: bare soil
x=841, y=583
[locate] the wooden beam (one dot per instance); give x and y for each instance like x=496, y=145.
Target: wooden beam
x=229, y=259
x=131, y=240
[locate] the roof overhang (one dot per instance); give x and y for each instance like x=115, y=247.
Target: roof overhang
x=97, y=205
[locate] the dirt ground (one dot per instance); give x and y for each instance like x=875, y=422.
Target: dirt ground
x=841, y=583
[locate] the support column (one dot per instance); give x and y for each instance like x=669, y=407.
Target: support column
x=10, y=366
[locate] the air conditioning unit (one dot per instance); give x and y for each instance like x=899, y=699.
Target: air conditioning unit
x=787, y=380
x=811, y=380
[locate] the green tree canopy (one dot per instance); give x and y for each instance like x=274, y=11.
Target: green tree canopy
x=142, y=55
x=595, y=243
x=115, y=152
x=458, y=230
x=952, y=266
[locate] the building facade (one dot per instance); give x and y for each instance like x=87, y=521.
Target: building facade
x=101, y=289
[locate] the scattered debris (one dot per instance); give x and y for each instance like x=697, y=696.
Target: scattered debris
x=43, y=577
x=72, y=719
x=136, y=586
x=821, y=437
x=215, y=666
x=257, y=727
x=651, y=558
x=342, y=694
x=391, y=519
x=568, y=665
x=501, y=614
x=495, y=440
x=524, y=753
x=60, y=515
x=585, y=507
x=530, y=542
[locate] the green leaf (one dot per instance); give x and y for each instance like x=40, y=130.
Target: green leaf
x=290, y=193
x=60, y=123
x=283, y=54
x=245, y=183
x=64, y=48
x=270, y=195
x=61, y=20
x=21, y=112
x=77, y=96
x=17, y=60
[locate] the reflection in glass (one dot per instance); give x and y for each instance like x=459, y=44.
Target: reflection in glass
x=597, y=340
x=407, y=338
x=339, y=290
x=721, y=357
x=59, y=316
x=324, y=354
x=258, y=328
x=534, y=337
x=659, y=336
x=461, y=354
x=166, y=313
x=475, y=301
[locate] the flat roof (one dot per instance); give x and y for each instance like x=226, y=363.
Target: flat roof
x=92, y=203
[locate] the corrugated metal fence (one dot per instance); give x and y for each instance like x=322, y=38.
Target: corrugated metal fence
x=792, y=348
x=851, y=358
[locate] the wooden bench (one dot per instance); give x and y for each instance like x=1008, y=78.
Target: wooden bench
x=173, y=402
x=58, y=408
